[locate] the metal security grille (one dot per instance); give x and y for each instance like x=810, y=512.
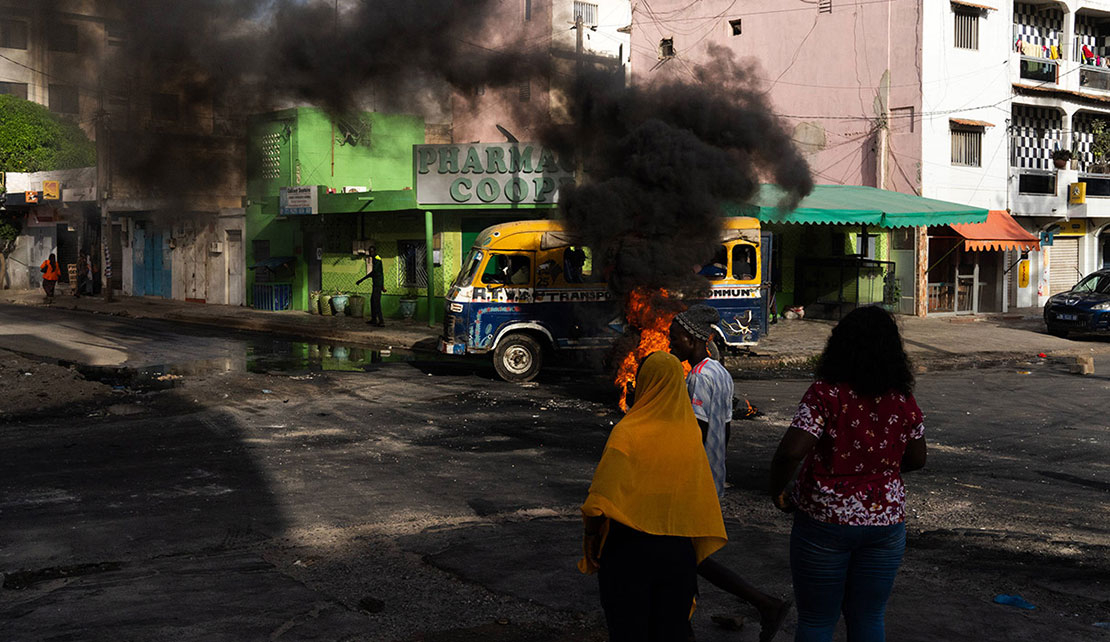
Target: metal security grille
x=413, y=263
x=587, y=11
x=967, y=147
x=524, y=91
x=270, y=151
x=1063, y=264
x=824, y=6
x=967, y=28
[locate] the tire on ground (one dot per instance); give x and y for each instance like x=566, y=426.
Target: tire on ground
x=518, y=358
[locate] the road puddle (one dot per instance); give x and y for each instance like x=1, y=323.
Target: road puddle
x=276, y=356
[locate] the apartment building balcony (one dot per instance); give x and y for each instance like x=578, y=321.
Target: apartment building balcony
x=1039, y=70
x=1097, y=78
x=1052, y=50
x=1038, y=33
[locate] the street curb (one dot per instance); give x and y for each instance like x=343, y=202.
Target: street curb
x=402, y=338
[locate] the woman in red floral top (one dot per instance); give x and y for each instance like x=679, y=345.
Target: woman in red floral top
x=857, y=429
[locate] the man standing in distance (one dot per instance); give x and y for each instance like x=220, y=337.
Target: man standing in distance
x=377, y=286
x=711, y=389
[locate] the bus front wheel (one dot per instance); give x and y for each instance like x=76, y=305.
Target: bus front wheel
x=517, y=358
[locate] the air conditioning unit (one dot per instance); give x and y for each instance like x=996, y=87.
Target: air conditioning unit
x=215, y=247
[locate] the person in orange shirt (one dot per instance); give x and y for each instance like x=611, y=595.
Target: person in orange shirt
x=50, y=275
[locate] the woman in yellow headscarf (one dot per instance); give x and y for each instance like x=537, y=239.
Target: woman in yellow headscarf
x=652, y=514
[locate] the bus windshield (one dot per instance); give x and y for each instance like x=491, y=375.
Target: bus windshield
x=469, y=269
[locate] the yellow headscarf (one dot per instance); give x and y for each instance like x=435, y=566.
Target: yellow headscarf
x=654, y=475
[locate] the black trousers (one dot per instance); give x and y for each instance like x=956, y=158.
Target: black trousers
x=376, y=306
x=647, y=583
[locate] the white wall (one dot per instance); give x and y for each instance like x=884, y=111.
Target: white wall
x=969, y=84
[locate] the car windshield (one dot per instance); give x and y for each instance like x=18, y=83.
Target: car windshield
x=470, y=268
x=1097, y=283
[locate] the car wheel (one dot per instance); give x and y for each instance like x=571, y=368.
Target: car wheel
x=1058, y=332
x=518, y=358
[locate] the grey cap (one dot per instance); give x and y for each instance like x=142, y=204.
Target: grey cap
x=699, y=320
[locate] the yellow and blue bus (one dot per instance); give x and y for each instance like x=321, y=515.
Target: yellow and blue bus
x=529, y=287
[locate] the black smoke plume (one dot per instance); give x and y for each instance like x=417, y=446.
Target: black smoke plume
x=657, y=161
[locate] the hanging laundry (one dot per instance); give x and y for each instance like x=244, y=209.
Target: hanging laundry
x=1017, y=45
x=1054, y=52
x=1030, y=49
x=1087, y=53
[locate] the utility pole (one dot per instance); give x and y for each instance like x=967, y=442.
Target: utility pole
x=103, y=193
x=578, y=25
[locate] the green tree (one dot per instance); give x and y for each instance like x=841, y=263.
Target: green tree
x=32, y=139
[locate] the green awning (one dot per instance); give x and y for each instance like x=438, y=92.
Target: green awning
x=856, y=205
x=367, y=202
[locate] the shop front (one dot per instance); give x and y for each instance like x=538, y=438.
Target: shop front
x=972, y=265
x=845, y=246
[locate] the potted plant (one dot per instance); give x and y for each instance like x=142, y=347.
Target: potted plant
x=1100, y=148
x=314, y=302
x=325, y=304
x=1060, y=158
x=339, y=302
x=408, y=303
x=357, y=305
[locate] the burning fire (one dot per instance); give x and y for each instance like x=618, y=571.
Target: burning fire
x=654, y=325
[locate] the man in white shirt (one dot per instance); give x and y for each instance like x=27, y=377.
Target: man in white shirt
x=711, y=390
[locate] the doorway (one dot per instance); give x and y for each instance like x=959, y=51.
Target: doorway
x=314, y=257
x=67, y=250
x=234, y=256
x=904, y=254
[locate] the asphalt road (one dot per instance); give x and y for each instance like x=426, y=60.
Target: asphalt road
x=104, y=340
x=427, y=501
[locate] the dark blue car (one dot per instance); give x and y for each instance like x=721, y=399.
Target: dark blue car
x=1085, y=308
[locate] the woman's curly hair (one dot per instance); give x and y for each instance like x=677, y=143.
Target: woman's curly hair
x=865, y=351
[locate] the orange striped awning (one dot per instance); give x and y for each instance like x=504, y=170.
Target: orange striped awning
x=999, y=232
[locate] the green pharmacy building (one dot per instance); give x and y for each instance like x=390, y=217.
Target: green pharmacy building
x=323, y=190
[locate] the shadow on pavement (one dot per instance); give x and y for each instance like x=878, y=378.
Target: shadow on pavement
x=143, y=527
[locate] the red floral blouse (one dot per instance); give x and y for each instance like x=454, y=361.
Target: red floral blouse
x=853, y=476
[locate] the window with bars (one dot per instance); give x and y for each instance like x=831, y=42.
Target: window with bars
x=967, y=27
x=62, y=36
x=587, y=11
x=967, y=146
x=17, y=89
x=824, y=6
x=13, y=34
x=737, y=26
x=524, y=91
x=666, y=48
x=413, y=272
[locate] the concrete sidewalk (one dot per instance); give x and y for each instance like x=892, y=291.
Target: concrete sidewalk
x=1020, y=334
x=334, y=329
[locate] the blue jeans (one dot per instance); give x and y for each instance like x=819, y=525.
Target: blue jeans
x=847, y=569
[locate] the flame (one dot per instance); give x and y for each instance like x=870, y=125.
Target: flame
x=654, y=326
